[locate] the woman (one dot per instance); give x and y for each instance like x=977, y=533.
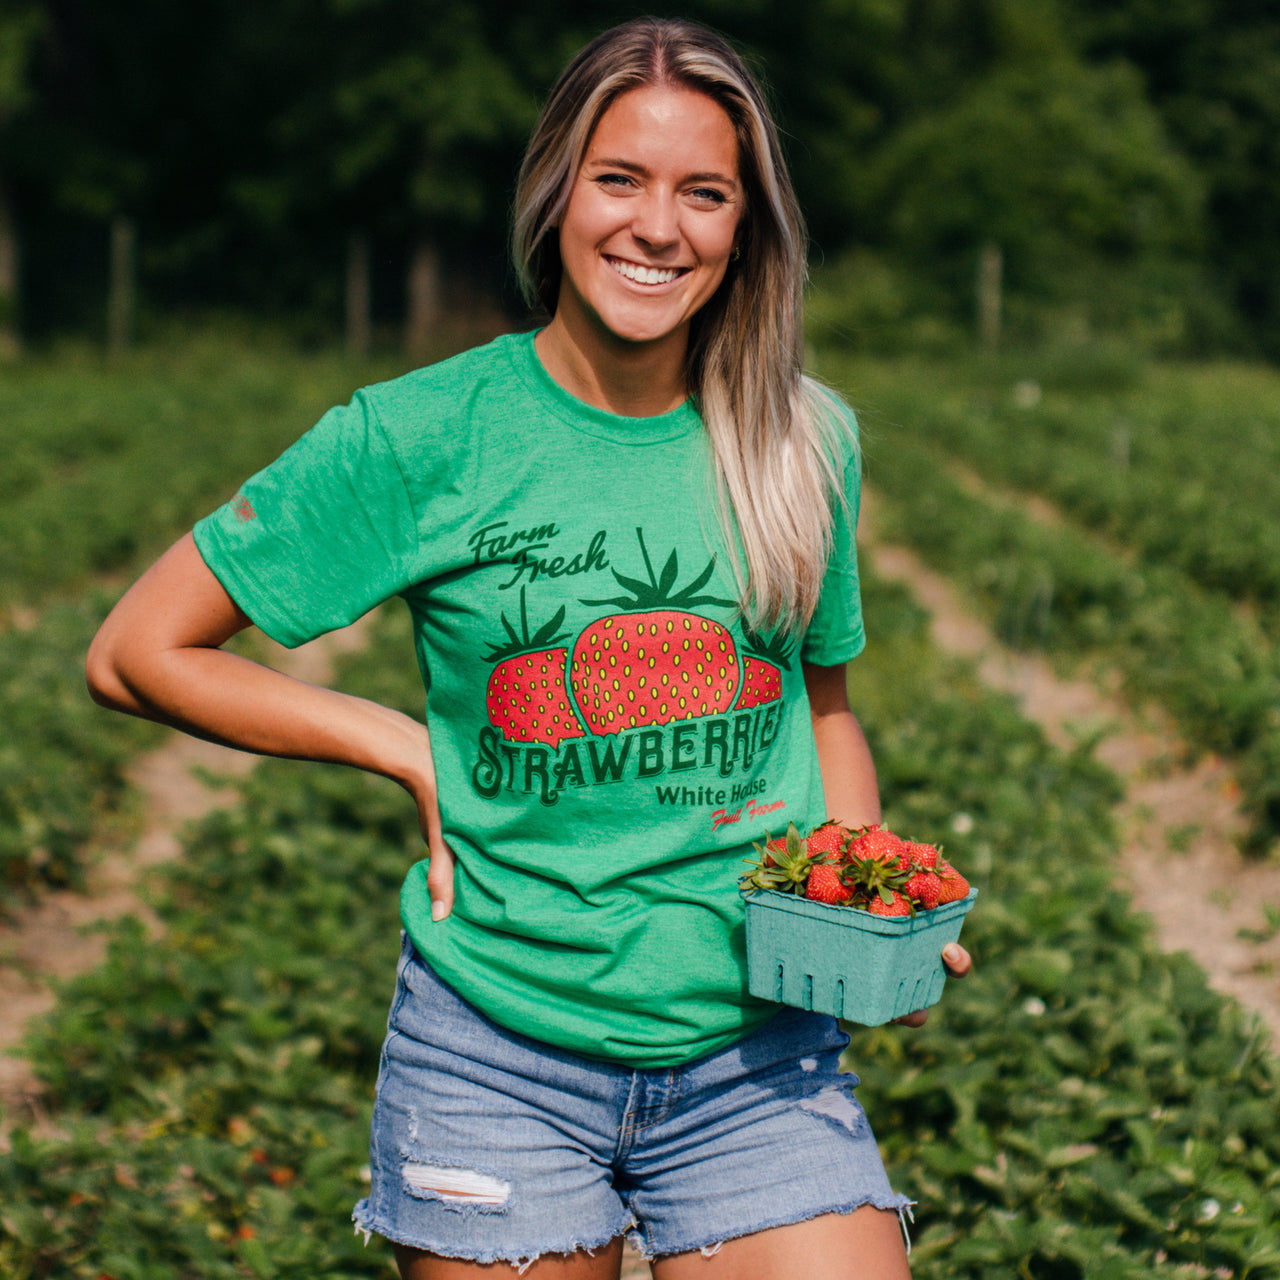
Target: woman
x=626, y=544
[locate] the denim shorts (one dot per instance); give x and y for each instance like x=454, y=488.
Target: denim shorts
x=490, y=1146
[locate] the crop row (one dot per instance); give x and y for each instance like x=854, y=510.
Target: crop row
x=1079, y=1106
x=1209, y=660
x=62, y=759
x=105, y=462
x=1180, y=464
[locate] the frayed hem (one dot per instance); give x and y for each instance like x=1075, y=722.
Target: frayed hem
x=520, y=1261
x=712, y=1244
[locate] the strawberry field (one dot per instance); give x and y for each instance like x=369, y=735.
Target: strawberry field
x=104, y=464
x=1080, y=1106
x=1115, y=515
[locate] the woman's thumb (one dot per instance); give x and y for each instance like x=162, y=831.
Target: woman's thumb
x=440, y=881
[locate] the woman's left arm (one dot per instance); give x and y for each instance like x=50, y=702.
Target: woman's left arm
x=848, y=772
x=849, y=776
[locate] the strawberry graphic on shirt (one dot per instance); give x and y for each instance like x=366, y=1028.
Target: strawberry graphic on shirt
x=527, y=698
x=762, y=667
x=653, y=661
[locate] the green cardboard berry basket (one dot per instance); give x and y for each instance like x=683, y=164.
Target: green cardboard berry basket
x=842, y=961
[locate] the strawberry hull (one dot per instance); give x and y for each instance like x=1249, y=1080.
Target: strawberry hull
x=841, y=961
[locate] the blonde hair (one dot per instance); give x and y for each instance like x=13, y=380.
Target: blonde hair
x=777, y=437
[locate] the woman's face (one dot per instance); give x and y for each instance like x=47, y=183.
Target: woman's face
x=652, y=215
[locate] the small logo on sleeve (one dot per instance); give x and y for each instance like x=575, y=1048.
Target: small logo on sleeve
x=243, y=508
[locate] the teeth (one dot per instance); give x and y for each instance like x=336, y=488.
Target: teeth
x=643, y=275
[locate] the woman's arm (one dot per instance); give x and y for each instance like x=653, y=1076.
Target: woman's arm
x=848, y=772
x=158, y=655
x=849, y=777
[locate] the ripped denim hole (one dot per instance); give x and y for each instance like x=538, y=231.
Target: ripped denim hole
x=837, y=1105
x=465, y=1186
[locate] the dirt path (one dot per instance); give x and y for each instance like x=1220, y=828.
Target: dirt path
x=56, y=939
x=1178, y=823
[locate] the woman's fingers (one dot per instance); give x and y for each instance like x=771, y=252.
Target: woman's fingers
x=441, y=859
x=957, y=959
x=917, y=1019
x=958, y=962
x=440, y=881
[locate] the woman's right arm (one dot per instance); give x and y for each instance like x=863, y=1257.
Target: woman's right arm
x=158, y=655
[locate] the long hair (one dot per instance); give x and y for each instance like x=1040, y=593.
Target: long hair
x=776, y=435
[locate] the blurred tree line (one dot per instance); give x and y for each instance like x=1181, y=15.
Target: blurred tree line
x=1024, y=168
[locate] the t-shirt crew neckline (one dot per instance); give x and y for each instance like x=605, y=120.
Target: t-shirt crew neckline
x=584, y=417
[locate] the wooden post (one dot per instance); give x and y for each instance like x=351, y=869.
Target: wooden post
x=423, y=305
x=122, y=284
x=10, y=330
x=359, y=329
x=988, y=295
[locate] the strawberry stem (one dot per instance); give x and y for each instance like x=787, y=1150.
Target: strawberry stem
x=644, y=551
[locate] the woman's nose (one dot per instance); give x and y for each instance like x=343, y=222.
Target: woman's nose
x=656, y=222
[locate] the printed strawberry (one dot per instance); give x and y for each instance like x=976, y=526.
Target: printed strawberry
x=654, y=662
x=895, y=905
x=954, y=885
x=527, y=698
x=762, y=667
x=825, y=885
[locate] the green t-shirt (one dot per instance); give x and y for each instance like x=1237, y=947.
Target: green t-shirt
x=608, y=741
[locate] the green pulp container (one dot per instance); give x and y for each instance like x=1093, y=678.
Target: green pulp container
x=846, y=962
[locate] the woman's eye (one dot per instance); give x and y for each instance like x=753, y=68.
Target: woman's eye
x=708, y=195
x=613, y=180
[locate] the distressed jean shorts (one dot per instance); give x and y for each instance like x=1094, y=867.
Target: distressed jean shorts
x=490, y=1146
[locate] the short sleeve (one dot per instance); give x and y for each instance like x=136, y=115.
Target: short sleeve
x=320, y=536
x=835, y=633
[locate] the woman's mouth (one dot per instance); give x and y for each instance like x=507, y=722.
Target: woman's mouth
x=634, y=271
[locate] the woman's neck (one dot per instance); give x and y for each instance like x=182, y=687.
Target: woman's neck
x=636, y=380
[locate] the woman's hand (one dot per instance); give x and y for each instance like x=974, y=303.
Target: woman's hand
x=441, y=866
x=958, y=962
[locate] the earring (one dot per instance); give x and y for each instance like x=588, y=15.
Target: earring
x=736, y=254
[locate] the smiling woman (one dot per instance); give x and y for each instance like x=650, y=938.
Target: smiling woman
x=645, y=241
x=626, y=544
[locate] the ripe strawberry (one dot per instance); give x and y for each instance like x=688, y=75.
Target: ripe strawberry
x=652, y=664
x=879, y=842
x=825, y=885
x=783, y=864
x=873, y=879
x=924, y=888
x=773, y=849
x=954, y=885
x=896, y=906
x=827, y=840
x=922, y=855
x=527, y=697
x=762, y=667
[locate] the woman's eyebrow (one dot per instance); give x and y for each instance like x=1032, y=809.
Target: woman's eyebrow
x=630, y=166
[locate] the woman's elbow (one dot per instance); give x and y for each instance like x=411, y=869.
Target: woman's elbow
x=107, y=686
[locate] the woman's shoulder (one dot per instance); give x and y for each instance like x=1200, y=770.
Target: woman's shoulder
x=448, y=383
